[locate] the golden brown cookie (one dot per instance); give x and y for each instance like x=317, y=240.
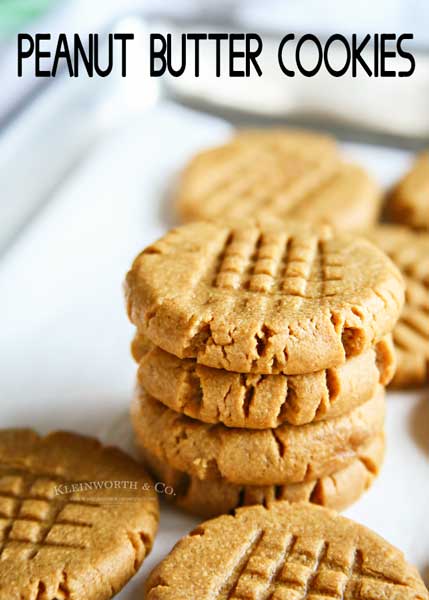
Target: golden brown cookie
x=286, y=552
x=410, y=251
x=286, y=454
x=211, y=498
x=76, y=518
x=287, y=174
x=408, y=203
x=263, y=297
x=261, y=401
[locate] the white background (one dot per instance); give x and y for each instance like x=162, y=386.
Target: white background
x=64, y=336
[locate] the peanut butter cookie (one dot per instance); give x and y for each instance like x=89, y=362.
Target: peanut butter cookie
x=288, y=174
x=261, y=401
x=408, y=202
x=208, y=498
x=76, y=519
x=410, y=251
x=286, y=454
x=262, y=297
x=286, y=552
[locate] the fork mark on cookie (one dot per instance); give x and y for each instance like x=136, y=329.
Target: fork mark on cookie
x=274, y=263
x=33, y=516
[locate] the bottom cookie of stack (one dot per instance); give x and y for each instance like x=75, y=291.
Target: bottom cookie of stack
x=213, y=469
x=209, y=498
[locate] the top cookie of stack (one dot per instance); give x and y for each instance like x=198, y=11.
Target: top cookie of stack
x=286, y=173
x=263, y=297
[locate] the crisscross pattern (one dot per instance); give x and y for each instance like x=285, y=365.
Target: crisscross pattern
x=275, y=263
x=34, y=516
x=284, y=552
x=290, y=567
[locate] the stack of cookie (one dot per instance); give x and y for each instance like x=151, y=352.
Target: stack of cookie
x=263, y=349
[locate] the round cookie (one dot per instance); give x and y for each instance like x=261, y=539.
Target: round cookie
x=76, y=518
x=286, y=552
x=408, y=203
x=410, y=252
x=261, y=401
x=286, y=454
x=263, y=297
x=211, y=498
x=284, y=173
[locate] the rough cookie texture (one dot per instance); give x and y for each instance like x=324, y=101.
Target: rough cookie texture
x=408, y=202
x=211, y=498
x=287, y=552
x=261, y=401
x=410, y=251
x=287, y=454
x=56, y=544
x=282, y=173
x=263, y=297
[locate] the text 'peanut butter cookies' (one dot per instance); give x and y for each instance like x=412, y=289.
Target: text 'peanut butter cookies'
x=287, y=552
x=263, y=297
x=209, y=498
x=410, y=252
x=287, y=174
x=76, y=519
x=286, y=454
x=408, y=203
x=261, y=401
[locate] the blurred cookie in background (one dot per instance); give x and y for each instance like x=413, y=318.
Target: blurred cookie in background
x=408, y=202
x=282, y=173
x=409, y=250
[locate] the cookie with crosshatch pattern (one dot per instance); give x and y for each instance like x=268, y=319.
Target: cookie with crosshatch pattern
x=286, y=552
x=263, y=297
x=409, y=250
x=261, y=401
x=210, y=498
x=76, y=518
x=285, y=173
x=285, y=454
x=408, y=203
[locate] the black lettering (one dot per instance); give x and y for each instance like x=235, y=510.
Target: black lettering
x=86, y=57
x=311, y=38
x=24, y=53
x=233, y=54
x=407, y=55
x=197, y=37
x=108, y=69
x=218, y=37
x=331, y=40
x=123, y=38
x=357, y=54
x=62, y=51
x=376, y=55
x=157, y=55
x=386, y=37
x=181, y=69
x=286, y=71
x=41, y=54
x=252, y=55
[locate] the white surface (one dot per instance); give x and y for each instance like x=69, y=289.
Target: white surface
x=64, y=341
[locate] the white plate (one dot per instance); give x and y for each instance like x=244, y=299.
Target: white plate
x=64, y=342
